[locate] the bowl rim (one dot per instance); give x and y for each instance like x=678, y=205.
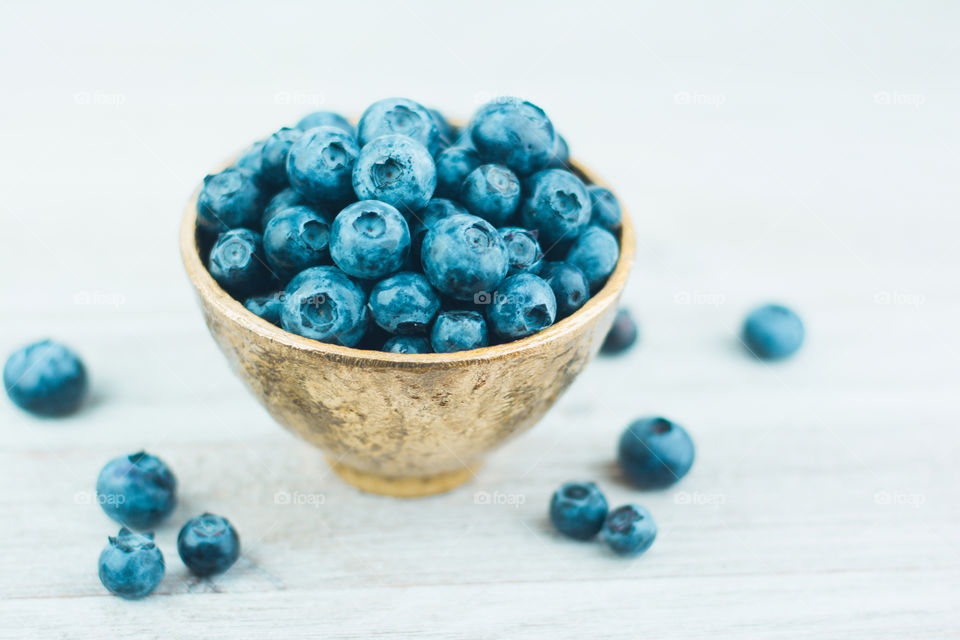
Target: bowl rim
x=234, y=310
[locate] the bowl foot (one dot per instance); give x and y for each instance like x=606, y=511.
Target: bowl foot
x=404, y=486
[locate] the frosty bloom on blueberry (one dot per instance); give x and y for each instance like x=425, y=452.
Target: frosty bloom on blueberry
x=408, y=234
x=578, y=510
x=208, y=544
x=137, y=490
x=131, y=566
x=45, y=378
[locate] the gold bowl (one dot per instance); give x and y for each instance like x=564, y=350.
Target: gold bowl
x=404, y=424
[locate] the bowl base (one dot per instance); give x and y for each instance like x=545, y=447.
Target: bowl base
x=404, y=486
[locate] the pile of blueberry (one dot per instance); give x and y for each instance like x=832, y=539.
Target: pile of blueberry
x=139, y=492
x=407, y=235
x=653, y=453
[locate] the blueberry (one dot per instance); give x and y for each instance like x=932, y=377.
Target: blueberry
x=446, y=131
x=251, y=161
x=228, y=200
x=266, y=306
x=423, y=220
x=578, y=510
x=404, y=303
x=606, y=209
x=407, y=344
x=369, y=239
x=560, y=158
x=296, y=238
x=654, y=453
x=569, y=286
x=622, y=335
x=399, y=116
x=453, y=167
x=45, y=378
x=595, y=252
x=463, y=256
x=397, y=170
x=237, y=262
x=629, y=530
x=320, y=165
x=523, y=250
x=558, y=206
x=131, y=566
x=772, y=332
x=208, y=544
x=513, y=132
x=322, y=303
x=522, y=305
x=138, y=490
x=273, y=157
x=492, y=192
x=283, y=200
x=459, y=331
x=326, y=119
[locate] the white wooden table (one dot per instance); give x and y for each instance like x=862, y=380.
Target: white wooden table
x=804, y=152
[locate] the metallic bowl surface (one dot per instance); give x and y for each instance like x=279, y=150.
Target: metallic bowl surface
x=404, y=424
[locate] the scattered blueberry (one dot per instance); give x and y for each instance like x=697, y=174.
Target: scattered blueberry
x=266, y=306
x=513, y=132
x=283, y=200
x=459, y=331
x=208, y=544
x=522, y=305
x=407, y=344
x=228, y=200
x=404, y=303
x=320, y=165
x=322, y=303
x=558, y=206
x=237, y=262
x=655, y=453
x=523, y=250
x=629, y=530
x=622, y=335
x=569, y=286
x=595, y=252
x=296, y=238
x=131, y=566
x=137, y=490
x=326, y=119
x=398, y=116
x=397, y=170
x=369, y=239
x=606, y=208
x=463, y=256
x=578, y=510
x=45, y=378
x=773, y=332
x=492, y=192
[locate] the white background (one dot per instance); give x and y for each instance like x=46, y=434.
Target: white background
x=805, y=152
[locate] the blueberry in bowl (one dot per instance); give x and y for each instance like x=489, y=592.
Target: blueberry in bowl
x=404, y=396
